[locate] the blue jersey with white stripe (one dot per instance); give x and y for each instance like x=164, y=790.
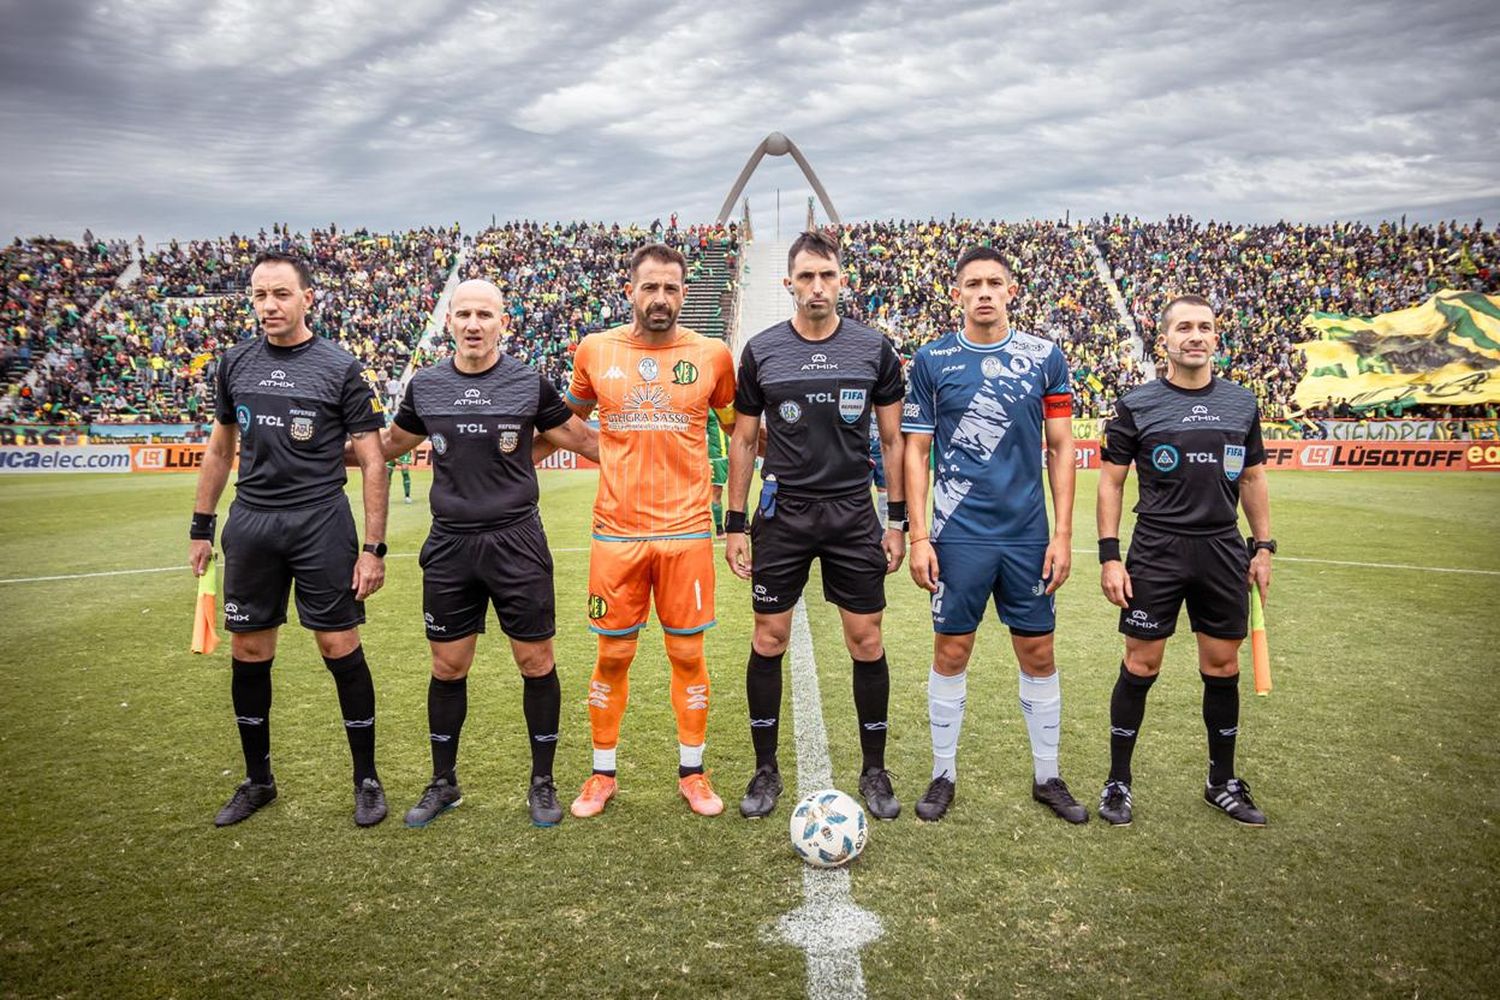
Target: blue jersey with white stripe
x=984, y=405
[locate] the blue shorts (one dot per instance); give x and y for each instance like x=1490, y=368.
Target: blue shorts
x=969, y=574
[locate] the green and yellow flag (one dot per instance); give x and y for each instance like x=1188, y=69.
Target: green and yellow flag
x=1444, y=351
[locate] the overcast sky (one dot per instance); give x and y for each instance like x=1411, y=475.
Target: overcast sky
x=197, y=117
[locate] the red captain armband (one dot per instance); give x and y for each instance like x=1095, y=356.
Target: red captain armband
x=1059, y=405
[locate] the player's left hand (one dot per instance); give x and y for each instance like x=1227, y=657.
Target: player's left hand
x=1260, y=573
x=1059, y=562
x=369, y=575
x=894, y=544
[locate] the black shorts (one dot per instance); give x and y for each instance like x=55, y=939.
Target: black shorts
x=463, y=572
x=1209, y=572
x=843, y=533
x=266, y=550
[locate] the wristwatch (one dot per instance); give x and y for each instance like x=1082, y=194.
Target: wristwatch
x=1269, y=545
x=377, y=549
x=897, y=525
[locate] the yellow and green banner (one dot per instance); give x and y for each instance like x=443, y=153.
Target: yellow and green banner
x=1445, y=351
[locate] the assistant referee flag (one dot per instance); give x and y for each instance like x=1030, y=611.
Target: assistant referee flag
x=206, y=610
x=1260, y=652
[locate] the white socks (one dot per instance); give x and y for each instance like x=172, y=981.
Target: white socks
x=690, y=756
x=1041, y=703
x=604, y=760
x=945, y=713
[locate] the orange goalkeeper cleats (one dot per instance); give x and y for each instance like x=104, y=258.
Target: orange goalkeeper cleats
x=597, y=791
x=700, y=795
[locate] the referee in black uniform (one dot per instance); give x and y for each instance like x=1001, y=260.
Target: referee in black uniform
x=818, y=378
x=478, y=410
x=288, y=400
x=1196, y=443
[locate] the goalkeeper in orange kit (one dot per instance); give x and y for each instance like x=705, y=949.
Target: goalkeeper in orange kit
x=653, y=384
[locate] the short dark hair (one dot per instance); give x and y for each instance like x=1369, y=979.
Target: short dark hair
x=1179, y=300
x=814, y=241
x=659, y=252
x=977, y=253
x=304, y=273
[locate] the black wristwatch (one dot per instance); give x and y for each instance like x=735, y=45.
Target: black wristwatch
x=894, y=525
x=377, y=549
x=1255, y=546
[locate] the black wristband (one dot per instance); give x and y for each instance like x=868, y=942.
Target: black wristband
x=896, y=510
x=1109, y=550
x=203, y=526
x=734, y=522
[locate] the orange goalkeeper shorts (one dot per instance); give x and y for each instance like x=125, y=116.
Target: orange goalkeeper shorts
x=625, y=576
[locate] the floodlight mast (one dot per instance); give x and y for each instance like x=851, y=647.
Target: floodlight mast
x=777, y=144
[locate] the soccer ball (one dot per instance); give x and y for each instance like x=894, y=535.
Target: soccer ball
x=829, y=829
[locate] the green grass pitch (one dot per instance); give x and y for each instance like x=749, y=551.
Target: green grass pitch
x=1376, y=759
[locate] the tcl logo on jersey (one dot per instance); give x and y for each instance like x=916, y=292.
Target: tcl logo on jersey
x=1201, y=457
x=820, y=397
x=470, y=428
x=269, y=420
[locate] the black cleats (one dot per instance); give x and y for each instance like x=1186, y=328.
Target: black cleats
x=541, y=799
x=437, y=798
x=760, y=796
x=880, y=797
x=1053, y=793
x=369, y=803
x=247, y=798
x=1233, y=799
x=934, y=803
x=1114, y=803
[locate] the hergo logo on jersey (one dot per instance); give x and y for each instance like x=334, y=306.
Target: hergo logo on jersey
x=1234, y=461
x=851, y=404
x=684, y=373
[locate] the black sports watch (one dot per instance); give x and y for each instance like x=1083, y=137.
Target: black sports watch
x=377, y=549
x=1256, y=545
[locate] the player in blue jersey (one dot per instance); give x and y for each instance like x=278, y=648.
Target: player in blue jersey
x=984, y=398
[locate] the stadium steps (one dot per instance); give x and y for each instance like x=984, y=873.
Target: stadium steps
x=763, y=298
x=435, y=321
x=708, y=293
x=1101, y=268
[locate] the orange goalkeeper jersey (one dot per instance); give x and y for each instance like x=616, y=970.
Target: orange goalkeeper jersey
x=653, y=405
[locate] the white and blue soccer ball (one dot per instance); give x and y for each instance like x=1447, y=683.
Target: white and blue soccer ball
x=829, y=829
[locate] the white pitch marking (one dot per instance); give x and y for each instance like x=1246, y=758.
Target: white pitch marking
x=1361, y=565
x=829, y=925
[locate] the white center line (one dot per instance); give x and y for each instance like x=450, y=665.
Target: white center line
x=829, y=925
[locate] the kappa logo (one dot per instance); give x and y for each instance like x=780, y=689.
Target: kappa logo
x=598, y=607
x=991, y=367
x=820, y=363
x=278, y=380
x=790, y=411
x=648, y=369
x=684, y=373
x=1199, y=415
x=614, y=372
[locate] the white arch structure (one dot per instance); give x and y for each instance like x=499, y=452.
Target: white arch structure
x=777, y=144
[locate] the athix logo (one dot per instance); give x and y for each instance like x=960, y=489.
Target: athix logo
x=820, y=363
x=763, y=597
x=432, y=626
x=1199, y=415
x=278, y=380
x=472, y=397
x=1140, y=620
x=232, y=613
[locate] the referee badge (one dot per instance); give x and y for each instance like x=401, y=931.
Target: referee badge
x=1234, y=461
x=302, y=429
x=509, y=440
x=851, y=404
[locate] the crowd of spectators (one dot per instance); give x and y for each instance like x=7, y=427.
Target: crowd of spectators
x=150, y=350
x=899, y=280
x=1264, y=280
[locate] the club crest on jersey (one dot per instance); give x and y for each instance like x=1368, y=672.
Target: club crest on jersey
x=440, y=444
x=242, y=416
x=597, y=607
x=1234, y=461
x=1165, y=458
x=302, y=429
x=1020, y=364
x=684, y=373
x=509, y=440
x=851, y=404
x=790, y=411
x=647, y=368
x=991, y=367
